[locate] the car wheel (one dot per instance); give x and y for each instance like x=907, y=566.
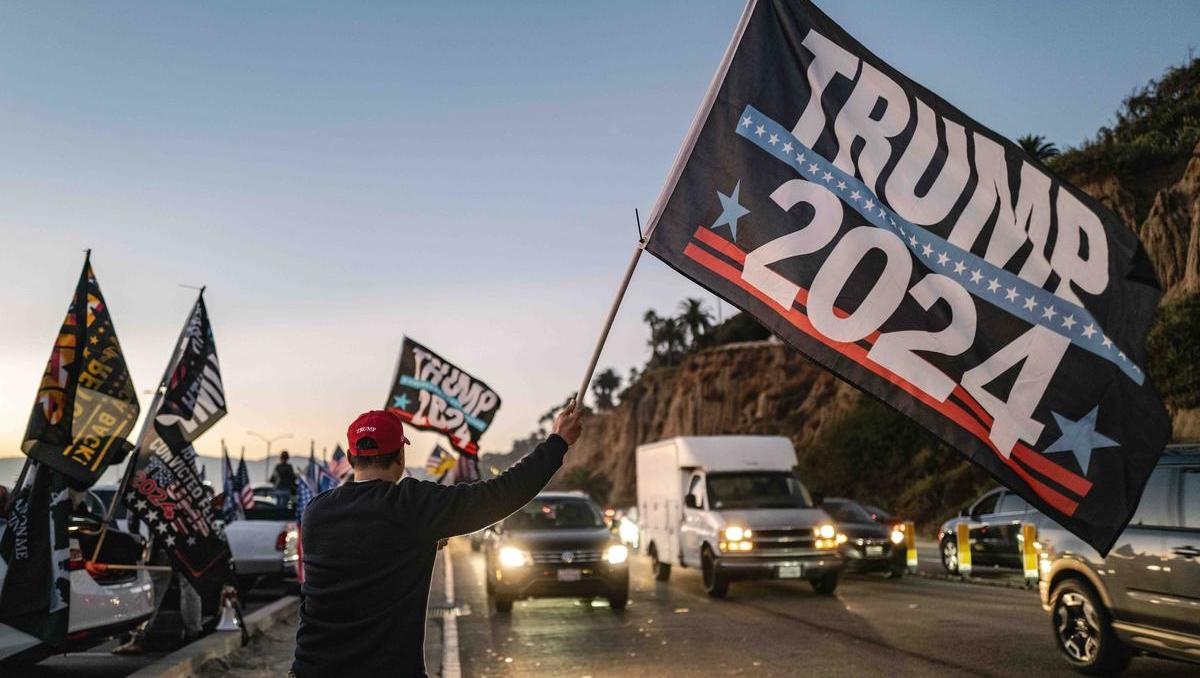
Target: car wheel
x=503, y=604
x=1083, y=631
x=950, y=555
x=825, y=584
x=618, y=601
x=715, y=583
x=661, y=570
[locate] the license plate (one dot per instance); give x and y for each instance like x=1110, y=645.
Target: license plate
x=874, y=551
x=790, y=571
x=568, y=575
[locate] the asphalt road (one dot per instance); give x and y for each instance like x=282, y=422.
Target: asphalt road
x=871, y=627
x=99, y=662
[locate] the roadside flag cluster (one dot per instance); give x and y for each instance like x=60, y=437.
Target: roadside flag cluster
x=85, y=406
x=440, y=462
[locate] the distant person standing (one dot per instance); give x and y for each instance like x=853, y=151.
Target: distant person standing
x=284, y=475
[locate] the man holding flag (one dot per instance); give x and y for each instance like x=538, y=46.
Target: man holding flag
x=369, y=547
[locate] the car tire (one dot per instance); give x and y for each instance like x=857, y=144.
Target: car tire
x=897, y=570
x=1083, y=630
x=949, y=551
x=503, y=604
x=716, y=584
x=826, y=584
x=618, y=601
x=661, y=570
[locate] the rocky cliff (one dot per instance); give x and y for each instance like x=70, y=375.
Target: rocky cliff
x=755, y=387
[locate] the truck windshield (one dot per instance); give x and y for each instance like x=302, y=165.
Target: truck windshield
x=555, y=514
x=756, y=489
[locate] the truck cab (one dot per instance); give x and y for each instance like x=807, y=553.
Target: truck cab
x=733, y=507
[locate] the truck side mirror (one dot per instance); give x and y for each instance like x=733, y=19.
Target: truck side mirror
x=691, y=502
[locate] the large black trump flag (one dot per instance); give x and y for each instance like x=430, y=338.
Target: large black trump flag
x=925, y=259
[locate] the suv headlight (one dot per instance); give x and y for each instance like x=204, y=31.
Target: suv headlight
x=616, y=554
x=737, y=533
x=511, y=556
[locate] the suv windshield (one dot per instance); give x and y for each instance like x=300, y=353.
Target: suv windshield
x=756, y=489
x=272, y=504
x=555, y=514
x=846, y=511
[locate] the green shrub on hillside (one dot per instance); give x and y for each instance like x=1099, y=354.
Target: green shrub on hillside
x=1173, y=348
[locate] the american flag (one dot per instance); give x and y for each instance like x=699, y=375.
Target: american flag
x=304, y=494
x=339, y=465
x=326, y=480
x=440, y=461
x=231, y=510
x=245, y=491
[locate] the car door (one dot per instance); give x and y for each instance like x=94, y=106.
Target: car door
x=982, y=535
x=1135, y=570
x=1005, y=529
x=693, y=520
x=1182, y=548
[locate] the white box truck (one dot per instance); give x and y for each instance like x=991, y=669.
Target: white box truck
x=733, y=507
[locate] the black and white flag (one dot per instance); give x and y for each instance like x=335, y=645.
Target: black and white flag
x=165, y=489
x=925, y=259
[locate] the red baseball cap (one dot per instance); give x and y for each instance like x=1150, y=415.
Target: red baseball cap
x=385, y=428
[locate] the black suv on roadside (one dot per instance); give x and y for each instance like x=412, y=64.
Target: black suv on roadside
x=994, y=525
x=556, y=546
x=1145, y=596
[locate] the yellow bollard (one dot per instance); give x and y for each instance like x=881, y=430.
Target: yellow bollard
x=1029, y=554
x=910, y=542
x=962, y=533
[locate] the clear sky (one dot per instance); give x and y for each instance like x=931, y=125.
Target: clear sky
x=341, y=174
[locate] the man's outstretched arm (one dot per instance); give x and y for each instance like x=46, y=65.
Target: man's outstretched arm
x=446, y=511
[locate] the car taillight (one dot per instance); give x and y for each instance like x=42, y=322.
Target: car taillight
x=76, y=561
x=281, y=541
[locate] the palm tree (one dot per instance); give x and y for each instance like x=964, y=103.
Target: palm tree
x=604, y=386
x=1037, y=147
x=655, y=322
x=695, y=318
x=673, y=337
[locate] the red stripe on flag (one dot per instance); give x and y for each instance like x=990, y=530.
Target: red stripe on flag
x=859, y=355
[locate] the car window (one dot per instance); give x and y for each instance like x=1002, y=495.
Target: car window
x=1011, y=503
x=985, y=505
x=696, y=489
x=555, y=514
x=1190, y=501
x=846, y=511
x=1154, y=508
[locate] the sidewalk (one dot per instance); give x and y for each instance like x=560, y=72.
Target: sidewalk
x=270, y=655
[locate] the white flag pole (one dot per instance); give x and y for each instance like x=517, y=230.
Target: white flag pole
x=608, y=322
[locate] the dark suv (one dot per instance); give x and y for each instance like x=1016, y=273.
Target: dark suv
x=994, y=522
x=1145, y=596
x=556, y=546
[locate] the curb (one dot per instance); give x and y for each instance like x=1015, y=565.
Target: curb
x=187, y=660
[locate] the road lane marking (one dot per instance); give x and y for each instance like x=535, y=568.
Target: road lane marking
x=451, y=668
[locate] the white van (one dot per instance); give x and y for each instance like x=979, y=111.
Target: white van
x=732, y=506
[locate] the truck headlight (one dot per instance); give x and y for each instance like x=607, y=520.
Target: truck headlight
x=825, y=531
x=736, y=533
x=616, y=554
x=897, y=536
x=510, y=556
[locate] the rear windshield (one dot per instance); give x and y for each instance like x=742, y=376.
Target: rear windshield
x=555, y=514
x=756, y=489
x=846, y=511
x=272, y=504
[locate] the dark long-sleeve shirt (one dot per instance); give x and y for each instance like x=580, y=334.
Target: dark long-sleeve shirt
x=369, y=550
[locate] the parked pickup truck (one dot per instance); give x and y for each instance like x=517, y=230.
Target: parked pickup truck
x=732, y=506
x=264, y=543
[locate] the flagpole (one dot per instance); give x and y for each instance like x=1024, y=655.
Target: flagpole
x=608, y=322
x=150, y=414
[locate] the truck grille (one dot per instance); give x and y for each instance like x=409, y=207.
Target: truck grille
x=782, y=541
x=557, y=557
